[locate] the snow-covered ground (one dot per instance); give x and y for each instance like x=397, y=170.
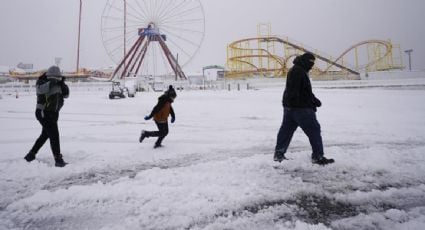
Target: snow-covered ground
x=216, y=170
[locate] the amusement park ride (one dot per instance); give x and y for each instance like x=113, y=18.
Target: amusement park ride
x=271, y=56
x=139, y=49
x=163, y=36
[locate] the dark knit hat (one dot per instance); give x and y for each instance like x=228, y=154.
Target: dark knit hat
x=171, y=92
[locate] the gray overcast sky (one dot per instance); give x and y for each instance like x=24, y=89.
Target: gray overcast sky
x=36, y=31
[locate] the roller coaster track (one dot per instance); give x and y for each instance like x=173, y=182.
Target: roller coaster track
x=387, y=45
x=247, y=53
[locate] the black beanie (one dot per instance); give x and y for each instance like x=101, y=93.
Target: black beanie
x=171, y=92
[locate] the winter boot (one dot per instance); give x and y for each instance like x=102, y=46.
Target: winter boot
x=59, y=162
x=142, y=136
x=323, y=161
x=157, y=146
x=279, y=157
x=30, y=157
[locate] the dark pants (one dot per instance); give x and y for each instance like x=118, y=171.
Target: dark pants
x=49, y=122
x=161, y=133
x=306, y=119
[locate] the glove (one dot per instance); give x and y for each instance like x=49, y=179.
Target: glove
x=317, y=102
x=147, y=117
x=173, y=119
x=53, y=81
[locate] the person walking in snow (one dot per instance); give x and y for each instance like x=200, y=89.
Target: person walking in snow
x=160, y=114
x=299, y=105
x=51, y=91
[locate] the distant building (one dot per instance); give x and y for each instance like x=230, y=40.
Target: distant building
x=25, y=66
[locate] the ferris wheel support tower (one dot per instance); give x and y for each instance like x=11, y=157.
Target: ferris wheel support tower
x=159, y=37
x=136, y=55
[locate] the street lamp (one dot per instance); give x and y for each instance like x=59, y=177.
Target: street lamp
x=410, y=58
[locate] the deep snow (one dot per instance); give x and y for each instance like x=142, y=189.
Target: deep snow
x=216, y=169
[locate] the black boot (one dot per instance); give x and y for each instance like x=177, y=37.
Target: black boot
x=30, y=157
x=279, y=157
x=323, y=161
x=142, y=136
x=157, y=145
x=59, y=162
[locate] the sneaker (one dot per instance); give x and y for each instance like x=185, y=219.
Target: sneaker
x=142, y=136
x=279, y=157
x=30, y=157
x=323, y=161
x=60, y=162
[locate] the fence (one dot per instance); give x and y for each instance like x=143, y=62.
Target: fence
x=11, y=88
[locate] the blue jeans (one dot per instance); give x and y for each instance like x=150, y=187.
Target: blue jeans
x=306, y=119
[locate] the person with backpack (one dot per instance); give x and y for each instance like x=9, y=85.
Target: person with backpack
x=160, y=114
x=51, y=91
x=299, y=105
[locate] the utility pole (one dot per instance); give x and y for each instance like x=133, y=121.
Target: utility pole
x=410, y=58
x=79, y=33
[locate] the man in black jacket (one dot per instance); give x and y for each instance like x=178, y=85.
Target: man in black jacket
x=299, y=104
x=51, y=91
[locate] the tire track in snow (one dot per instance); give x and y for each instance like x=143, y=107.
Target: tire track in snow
x=309, y=208
x=315, y=208
x=109, y=173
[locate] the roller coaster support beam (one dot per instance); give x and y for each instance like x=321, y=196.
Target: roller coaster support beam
x=319, y=57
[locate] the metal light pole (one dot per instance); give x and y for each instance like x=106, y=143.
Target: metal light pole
x=203, y=78
x=125, y=29
x=79, y=32
x=410, y=58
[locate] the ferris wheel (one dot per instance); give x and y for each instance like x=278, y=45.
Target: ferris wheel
x=159, y=36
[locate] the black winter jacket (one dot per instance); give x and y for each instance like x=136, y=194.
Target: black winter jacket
x=298, y=92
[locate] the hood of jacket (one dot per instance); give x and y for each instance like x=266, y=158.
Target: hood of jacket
x=165, y=97
x=303, y=62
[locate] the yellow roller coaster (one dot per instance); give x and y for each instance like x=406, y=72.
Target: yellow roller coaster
x=271, y=56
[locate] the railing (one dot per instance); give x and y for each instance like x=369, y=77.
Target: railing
x=20, y=88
